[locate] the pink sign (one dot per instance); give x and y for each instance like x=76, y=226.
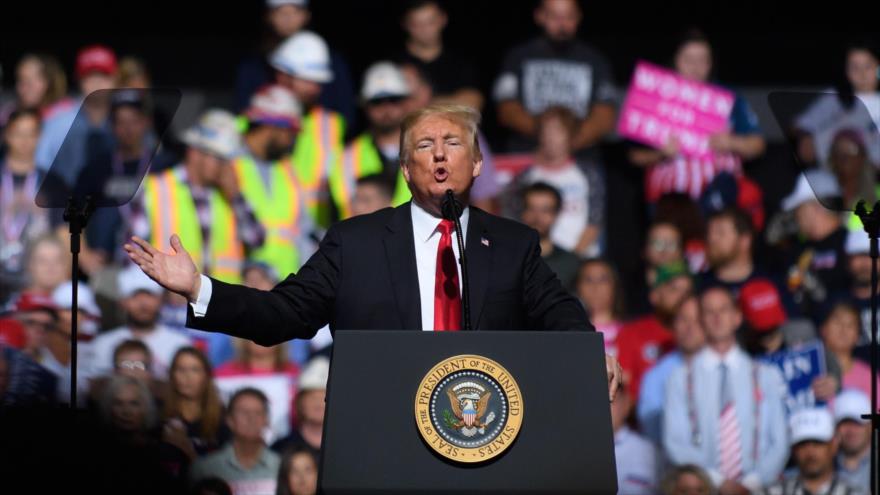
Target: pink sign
x=660, y=103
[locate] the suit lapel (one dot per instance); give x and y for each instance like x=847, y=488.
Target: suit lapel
x=400, y=254
x=479, y=258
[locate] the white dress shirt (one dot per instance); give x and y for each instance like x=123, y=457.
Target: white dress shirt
x=426, y=237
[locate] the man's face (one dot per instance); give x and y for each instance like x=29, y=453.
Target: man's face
x=663, y=246
x=723, y=242
x=36, y=325
x=279, y=143
x=540, y=212
x=142, y=308
x=861, y=70
x=814, y=458
x=22, y=135
x=129, y=126
x=47, y=267
x=686, y=327
x=257, y=278
x=95, y=81
x=559, y=19
x=248, y=418
x=425, y=25
x=440, y=158
x=30, y=83
x=287, y=20
x=854, y=437
x=385, y=115
x=554, y=139
x=307, y=92
x=208, y=164
x=369, y=198
x=312, y=406
x=719, y=315
x=860, y=269
x=668, y=297
x=127, y=410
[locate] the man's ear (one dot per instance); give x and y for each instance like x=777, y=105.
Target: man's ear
x=478, y=167
x=405, y=169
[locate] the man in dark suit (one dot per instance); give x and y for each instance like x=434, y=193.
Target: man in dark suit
x=396, y=268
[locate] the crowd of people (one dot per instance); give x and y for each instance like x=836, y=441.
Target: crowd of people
x=734, y=295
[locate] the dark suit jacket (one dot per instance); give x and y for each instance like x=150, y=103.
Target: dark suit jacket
x=364, y=277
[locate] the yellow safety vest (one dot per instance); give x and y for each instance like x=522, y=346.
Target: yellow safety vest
x=360, y=159
x=318, y=147
x=277, y=208
x=170, y=209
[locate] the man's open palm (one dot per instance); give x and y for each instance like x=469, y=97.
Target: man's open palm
x=175, y=271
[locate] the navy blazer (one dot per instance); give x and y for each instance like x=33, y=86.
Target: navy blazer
x=364, y=277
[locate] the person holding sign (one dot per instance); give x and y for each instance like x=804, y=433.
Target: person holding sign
x=673, y=164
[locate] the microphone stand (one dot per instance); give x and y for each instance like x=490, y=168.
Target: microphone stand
x=452, y=211
x=77, y=215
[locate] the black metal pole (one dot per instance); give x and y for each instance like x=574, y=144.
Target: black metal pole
x=871, y=223
x=77, y=216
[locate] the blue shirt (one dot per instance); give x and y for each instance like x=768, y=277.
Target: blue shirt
x=650, y=407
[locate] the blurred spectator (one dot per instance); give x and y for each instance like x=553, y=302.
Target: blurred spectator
x=285, y=18
x=377, y=150
x=48, y=265
x=859, y=292
x=133, y=73
x=371, y=193
x=267, y=182
x=582, y=216
x=671, y=171
x=855, y=106
x=600, y=290
x=635, y=456
x=210, y=486
x=200, y=200
x=815, y=258
x=23, y=382
x=38, y=316
x=308, y=407
x=555, y=69
x=302, y=64
x=542, y=205
x=735, y=419
x=764, y=317
x=40, y=86
x=689, y=340
x=813, y=447
x=55, y=355
x=132, y=358
x=848, y=161
x=729, y=244
x=21, y=220
x=194, y=412
x=687, y=479
x=663, y=246
x=453, y=78
x=299, y=472
x=685, y=214
x=95, y=70
x=245, y=462
x=486, y=186
x=853, y=459
x=840, y=333
x=127, y=407
x=643, y=341
x=142, y=299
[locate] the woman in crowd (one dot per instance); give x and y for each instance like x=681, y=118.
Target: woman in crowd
x=599, y=290
x=299, y=472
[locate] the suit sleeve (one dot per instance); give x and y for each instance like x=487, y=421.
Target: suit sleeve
x=548, y=305
x=296, y=308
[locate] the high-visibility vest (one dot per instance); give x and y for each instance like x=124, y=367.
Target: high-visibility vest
x=360, y=159
x=319, y=145
x=170, y=209
x=277, y=208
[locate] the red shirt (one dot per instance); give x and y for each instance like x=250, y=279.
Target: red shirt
x=639, y=345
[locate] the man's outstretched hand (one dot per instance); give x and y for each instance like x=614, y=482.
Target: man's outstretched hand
x=176, y=271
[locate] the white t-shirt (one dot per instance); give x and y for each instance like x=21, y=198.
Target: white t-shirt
x=162, y=342
x=574, y=187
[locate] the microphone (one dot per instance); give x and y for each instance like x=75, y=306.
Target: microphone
x=452, y=210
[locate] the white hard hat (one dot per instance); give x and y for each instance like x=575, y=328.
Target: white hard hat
x=274, y=104
x=304, y=55
x=216, y=132
x=850, y=404
x=811, y=424
x=384, y=80
x=62, y=296
x=812, y=185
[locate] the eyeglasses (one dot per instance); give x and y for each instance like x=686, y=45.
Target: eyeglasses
x=132, y=365
x=663, y=245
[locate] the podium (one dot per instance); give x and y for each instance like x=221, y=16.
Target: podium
x=467, y=412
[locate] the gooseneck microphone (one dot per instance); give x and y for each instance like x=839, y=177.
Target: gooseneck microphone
x=452, y=210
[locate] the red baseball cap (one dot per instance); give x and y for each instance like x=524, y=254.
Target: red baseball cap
x=95, y=58
x=31, y=301
x=761, y=305
x=12, y=333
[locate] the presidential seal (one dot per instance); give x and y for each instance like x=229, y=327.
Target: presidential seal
x=468, y=408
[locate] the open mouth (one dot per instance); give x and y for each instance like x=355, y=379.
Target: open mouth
x=441, y=174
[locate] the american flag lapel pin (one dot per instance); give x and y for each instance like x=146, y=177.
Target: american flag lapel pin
x=484, y=241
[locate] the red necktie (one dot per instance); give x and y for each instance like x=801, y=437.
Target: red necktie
x=447, y=298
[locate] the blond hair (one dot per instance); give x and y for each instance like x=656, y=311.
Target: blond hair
x=465, y=116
